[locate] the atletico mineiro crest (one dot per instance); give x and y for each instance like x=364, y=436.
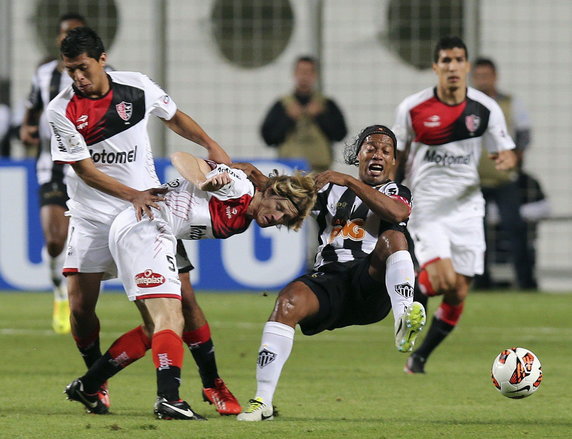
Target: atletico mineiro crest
x=124, y=109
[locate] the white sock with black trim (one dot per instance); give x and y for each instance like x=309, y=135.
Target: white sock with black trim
x=275, y=348
x=399, y=281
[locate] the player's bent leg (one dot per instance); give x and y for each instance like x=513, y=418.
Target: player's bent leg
x=294, y=303
x=444, y=321
x=55, y=226
x=83, y=292
x=197, y=336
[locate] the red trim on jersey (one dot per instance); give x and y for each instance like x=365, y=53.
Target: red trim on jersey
x=228, y=217
x=87, y=115
x=433, y=121
x=158, y=296
x=402, y=199
x=61, y=162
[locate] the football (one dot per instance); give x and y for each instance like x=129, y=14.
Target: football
x=517, y=373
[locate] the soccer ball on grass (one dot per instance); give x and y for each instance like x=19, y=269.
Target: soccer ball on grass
x=517, y=373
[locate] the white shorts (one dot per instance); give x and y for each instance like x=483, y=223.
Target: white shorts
x=459, y=238
x=88, y=248
x=145, y=254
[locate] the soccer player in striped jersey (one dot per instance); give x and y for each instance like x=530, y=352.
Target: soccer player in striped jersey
x=362, y=270
x=49, y=79
x=440, y=132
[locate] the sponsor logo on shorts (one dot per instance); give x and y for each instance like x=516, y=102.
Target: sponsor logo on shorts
x=405, y=290
x=444, y=159
x=124, y=109
x=149, y=279
x=265, y=357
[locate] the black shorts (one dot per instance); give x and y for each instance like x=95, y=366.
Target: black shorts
x=53, y=192
x=348, y=295
x=183, y=262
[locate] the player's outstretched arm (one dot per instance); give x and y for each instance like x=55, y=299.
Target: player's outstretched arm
x=142, y=200
x=387, y=208
x=182, y=124
x=190, y=167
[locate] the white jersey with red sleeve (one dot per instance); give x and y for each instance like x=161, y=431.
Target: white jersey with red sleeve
x=196, y=214
x=445, y=143
x=112, y=131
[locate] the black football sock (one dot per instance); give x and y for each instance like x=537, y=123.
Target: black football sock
x=204, y=355
x=103, y=369
x=436, y=334
x=168, y=383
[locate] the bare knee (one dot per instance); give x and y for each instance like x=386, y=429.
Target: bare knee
x=294, y=303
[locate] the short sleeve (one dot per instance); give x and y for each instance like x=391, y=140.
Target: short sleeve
x=160, y=102
x=402, y=126
x=497, y=138
x=67, y=144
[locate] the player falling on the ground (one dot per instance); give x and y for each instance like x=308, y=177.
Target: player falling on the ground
x=363, y=267
x=440, y=133
x=100, y=127
x=48, y=81
x=214, y=201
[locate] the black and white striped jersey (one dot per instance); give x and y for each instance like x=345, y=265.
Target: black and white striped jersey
x=348, y=229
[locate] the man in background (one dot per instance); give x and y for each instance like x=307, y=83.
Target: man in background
x=304, y=124
x=48, y=81
x=501, y=187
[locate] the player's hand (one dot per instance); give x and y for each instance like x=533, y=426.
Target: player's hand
x=216, y=182
x=329, y=176
x=143, y=201
x=29, y=135
x=504, y=160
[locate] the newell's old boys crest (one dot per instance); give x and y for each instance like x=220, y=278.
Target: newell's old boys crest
x=472, y=123
x=124, y=109
x=265, y=357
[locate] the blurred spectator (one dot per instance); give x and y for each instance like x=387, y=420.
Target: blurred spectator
x=304, y=124
x=501, y=187
x=5, y=120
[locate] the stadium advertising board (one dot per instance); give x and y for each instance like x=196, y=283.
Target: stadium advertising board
x=258, y=259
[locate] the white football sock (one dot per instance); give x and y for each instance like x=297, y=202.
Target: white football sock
x=56, y=266
x=275, y=348
x=399, y=281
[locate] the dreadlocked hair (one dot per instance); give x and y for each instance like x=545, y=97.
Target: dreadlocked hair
x=299, y=188
x=351, y=150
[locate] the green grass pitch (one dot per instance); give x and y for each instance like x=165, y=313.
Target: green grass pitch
x=347, y=383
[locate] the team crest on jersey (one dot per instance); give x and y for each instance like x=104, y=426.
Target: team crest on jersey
x=265, y=357
x=124, y=109
x=405, y=290
x=472, y=122
x=149, y=279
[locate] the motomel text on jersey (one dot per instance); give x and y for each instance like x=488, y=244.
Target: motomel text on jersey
x=445, y=159
x=114, y=157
